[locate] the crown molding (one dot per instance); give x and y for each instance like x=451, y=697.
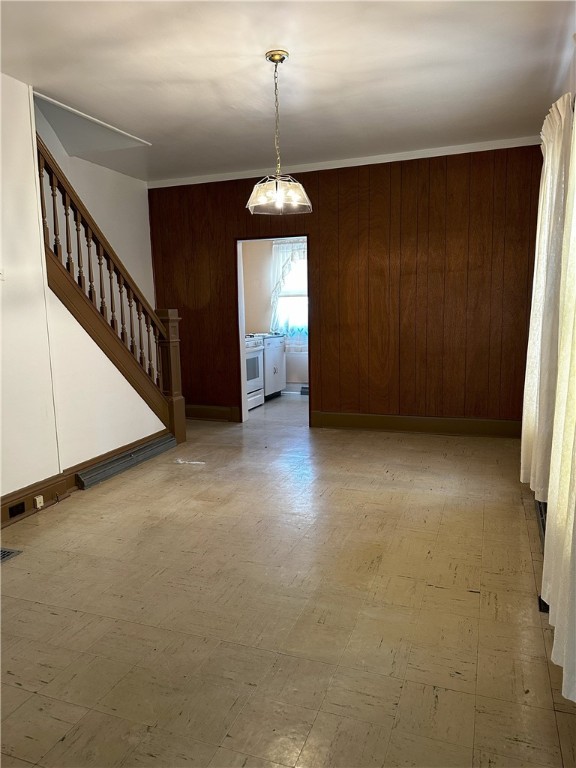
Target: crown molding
x=458, y=149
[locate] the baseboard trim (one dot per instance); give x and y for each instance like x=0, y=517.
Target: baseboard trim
x=212, y=413
x=59, y=487
x=426, y=424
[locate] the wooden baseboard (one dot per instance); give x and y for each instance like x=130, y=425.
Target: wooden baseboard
x=213, y=413
x=426, y=424
x=19, y=504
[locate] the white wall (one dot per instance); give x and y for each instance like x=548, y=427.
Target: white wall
x=118, y=204
x=257, y=261
x=62, y=400
x=29, y=448
x=96, y=409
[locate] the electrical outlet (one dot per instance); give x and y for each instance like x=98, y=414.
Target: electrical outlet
x=38, y=502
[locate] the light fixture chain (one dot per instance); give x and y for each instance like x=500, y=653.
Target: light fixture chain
x=277, y=128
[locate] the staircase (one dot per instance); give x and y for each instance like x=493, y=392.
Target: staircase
x=90, y=280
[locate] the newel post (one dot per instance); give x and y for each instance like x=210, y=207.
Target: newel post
x=171, y=373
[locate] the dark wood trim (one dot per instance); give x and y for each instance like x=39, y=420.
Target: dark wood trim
x=66, y=289
x=117, y=451
x=59, y=487
x=213, y=413
x=53, y=489
x=426, y=424
x=96, y=231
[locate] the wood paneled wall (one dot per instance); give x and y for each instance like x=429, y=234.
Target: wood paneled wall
x=420, y=278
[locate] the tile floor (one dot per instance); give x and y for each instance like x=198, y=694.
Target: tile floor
x=319, y=599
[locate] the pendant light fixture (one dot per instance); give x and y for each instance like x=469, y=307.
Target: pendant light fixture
x=278, y=194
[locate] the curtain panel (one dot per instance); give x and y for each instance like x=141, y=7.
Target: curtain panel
x=548, y=459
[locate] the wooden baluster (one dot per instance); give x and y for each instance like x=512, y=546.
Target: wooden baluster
x=57, y=243
x=131, y=308
x=43, y=202
x=123, y=334
x=81, y=278
x=149, y=332
x=69, y=260
x=158, y=358
x=142, y=358
x=103, y=307
x=113, y=321
x=91, y=289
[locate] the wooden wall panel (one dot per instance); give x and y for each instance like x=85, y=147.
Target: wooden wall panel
x=419, y=279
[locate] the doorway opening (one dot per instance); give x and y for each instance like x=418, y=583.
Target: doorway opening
x=273, y=324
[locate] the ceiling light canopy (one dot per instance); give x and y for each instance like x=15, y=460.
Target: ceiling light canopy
x=278, y=194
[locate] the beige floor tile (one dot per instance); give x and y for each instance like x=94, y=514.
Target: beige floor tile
x=130, y=643
x=390, y=590
x=315, y=641
x=205, y=710
x=517, y=582
x=381, y=641
x=520, y=639
x=37, y=726
x=11, y=698
x=228, y=582
x=448, y=571
x=237, y=663
x=436, y=713
x=445, y=667
x=301, y=682
x=143, y=695
x=446, y=630
x=567, y=732
x=517, y=731
x=270, y=730
x=226, y=758
x=362, y=695
x=96, y=741
x=421, y=518
x=31, y=665
x=490, y=760
x=159, y=749
x=86, y=680
x=181, y=656
x=513, y=677
x=7, y=761
x=464, y=602
x=509, y=607
x=411, y=749
x=341, y=742
x=506, y=560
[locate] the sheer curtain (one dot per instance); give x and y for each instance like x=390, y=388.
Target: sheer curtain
x=542, y=356
x=284, y=253
x=559, y=576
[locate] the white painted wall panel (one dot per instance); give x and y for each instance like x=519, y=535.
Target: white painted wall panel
x=29, y=448
x=96, y=408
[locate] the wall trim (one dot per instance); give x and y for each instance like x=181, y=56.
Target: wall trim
x=213, y=413
x=393, y=157
x=426, y=424
x=59, y=487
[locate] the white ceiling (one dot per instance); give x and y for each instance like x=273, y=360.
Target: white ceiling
x=364, y=79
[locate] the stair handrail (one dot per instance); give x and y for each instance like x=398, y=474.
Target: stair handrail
x=48, y=162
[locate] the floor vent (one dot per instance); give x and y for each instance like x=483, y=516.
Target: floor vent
x=6, y=554
x=304, y=389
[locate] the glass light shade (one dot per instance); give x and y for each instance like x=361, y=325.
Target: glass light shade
x=277, y=195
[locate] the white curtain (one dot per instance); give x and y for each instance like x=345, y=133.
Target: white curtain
x=542, y=357
x=284, y=252
x=559, y=576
